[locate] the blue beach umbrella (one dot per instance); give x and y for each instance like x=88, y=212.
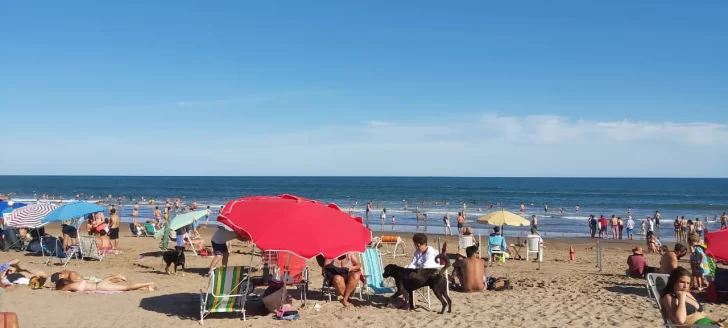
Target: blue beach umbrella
x=72, y=211
x=5, y=207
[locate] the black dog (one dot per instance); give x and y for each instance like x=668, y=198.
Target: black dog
x=175, y=256
x=412, y=279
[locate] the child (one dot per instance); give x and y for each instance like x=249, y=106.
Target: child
x=698, y=261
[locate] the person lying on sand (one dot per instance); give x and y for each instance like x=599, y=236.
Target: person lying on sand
x=15, y=274
x=103, y=285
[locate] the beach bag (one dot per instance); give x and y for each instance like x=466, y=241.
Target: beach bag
x=275, y=297
x=498, y=284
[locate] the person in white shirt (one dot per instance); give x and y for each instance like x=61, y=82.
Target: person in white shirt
x=219, y=242
x=630, y=227
x=424, y=256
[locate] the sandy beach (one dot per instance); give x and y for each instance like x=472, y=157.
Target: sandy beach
x=559, y=294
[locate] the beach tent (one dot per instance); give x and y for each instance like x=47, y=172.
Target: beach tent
x=717, y=245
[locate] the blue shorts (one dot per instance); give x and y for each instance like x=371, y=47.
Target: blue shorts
x=180, y=240
x=629, y=231
x=219, y=249
x=194, y=225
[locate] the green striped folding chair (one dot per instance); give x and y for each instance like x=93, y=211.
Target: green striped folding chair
x=225, y=292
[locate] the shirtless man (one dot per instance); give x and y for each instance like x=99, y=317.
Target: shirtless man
x=461, y=223
x=135, y=213
x=157, y=215
x=723, y=221
x=523, y=208
x=470, y=271
x=114, y=223
x=668, y=262
x=614, y=223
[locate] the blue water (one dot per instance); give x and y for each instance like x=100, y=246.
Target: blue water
x=599, y=196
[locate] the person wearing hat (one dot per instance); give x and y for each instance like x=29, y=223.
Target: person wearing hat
x=637, y=263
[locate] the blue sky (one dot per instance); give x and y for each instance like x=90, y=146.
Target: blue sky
x=567, y=88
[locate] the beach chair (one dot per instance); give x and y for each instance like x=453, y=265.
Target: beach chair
x=13, y=240
x=372, y=269
x=465, y=241
x=226, y=292
x=496, y=246
x=89, y=248
x=532, y=246
x=150, y=229
x=52, y=248
x=656, y=282
x=136, y=231
x=293, y=271
x=395, y=242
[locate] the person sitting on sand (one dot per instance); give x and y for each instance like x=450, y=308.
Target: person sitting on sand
x=668, y=262
x=679, y=306
x=343, y=274
x=637, y=264
x=470, y=271
x=652, y=243
x=103, y=285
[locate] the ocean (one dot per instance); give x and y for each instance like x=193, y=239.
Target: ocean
x=691, y=198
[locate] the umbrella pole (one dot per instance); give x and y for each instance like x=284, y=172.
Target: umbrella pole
x=247, y=279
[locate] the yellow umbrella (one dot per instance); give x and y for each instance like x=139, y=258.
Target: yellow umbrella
x=503, y=217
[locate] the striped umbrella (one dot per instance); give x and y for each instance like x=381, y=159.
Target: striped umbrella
x=29, y=216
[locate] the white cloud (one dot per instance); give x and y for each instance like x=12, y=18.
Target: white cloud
x=484, y=145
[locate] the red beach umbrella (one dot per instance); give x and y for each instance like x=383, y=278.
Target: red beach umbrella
x=717, y=245
x=294, y=224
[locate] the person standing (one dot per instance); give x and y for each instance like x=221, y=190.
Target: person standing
x=523, y=208
x=650, y=225
x=446, y=222
x=534, y=221
x=219, y=242
x=114, y=222
x=135, y=213
x=620, y=226
x=677, y=228
x=602, y=227
x=724, y=221
x=461, y=223
x=613, y=224
x=630, y=227
x=157, y=216
x=699, y=227
x=657, y=219
x=592, y=225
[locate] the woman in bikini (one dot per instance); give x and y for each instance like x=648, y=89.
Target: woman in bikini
x=679, y=306
x=104, y=285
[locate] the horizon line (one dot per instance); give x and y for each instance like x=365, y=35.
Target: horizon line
x=352, y=176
